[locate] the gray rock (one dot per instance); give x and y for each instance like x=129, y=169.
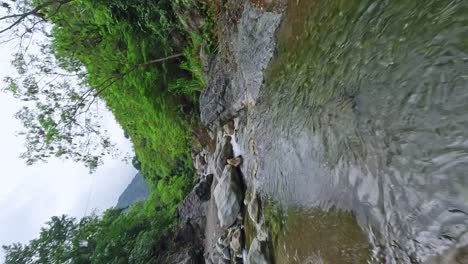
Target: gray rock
x=224, y=261
x=236, y=85
x=223, y=152
x=236, y=241
x=186, y=256
x=235, y=161
x=203, y=188
x=228, y=196
x=229, y=127
x=258, y=253
x=226, y=254
x=193, y=208
x=256, y=46
x=199, y=163
x=253, y=208
x=219, y=248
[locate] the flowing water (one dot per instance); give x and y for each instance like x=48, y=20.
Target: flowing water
x=361, y=130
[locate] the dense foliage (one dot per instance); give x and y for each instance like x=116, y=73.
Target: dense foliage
x=110, y=38
x=142, y=58
x=115, y=237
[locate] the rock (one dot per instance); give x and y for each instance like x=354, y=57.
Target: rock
x=238, y=261
x=199, y=163
x=235, y=161
x=185, y=234
x=258, y=253
x=186, y=256
x=236, y=241
x=223, y=153
x=229, y=91
x=229, y=128
x=224, y=261
x=219, y=248
x=203, y=188
x=226, y=254
x=253, y=208
x=223, y=240
x=193, y=208
x=228, y=196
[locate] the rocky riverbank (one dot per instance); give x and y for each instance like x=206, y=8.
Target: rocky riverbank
x=214, y=215
x=307, y=139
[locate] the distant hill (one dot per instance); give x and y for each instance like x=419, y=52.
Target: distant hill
x=137, y=190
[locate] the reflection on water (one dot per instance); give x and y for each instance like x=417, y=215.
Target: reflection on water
x=365, y=109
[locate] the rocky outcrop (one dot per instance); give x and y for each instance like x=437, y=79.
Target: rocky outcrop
x=235, y=83
x=235, y=76
x=228, y=196
x=193, y=208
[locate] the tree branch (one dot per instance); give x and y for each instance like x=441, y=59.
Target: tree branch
x=34, y=11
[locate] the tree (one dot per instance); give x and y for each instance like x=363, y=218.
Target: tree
x=62, y=240
x=78, y=60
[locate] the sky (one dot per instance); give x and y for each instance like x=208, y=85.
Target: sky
x=30, y=195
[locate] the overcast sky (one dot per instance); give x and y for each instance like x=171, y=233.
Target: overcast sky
x=30, y=195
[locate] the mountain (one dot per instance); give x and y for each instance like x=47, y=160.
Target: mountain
x=137, y=190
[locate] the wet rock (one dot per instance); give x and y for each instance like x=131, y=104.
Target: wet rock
x=203, y=188
x=235, y=161
x=226, y=254
x=258, y=253
x=219, y=248
x=236, y=241
x=229, y=128
x=223, y=153
x=229, y=91
x=228, y=196
x=253, y=208
x=224, y=261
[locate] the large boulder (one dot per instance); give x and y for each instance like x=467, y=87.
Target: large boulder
x=228, y=196
x=259, y=252
x=235, y=84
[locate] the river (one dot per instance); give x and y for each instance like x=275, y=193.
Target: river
x=360, y=132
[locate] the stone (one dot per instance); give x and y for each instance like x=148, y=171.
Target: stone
x=203, y=188
x=235, y=161
x=229, y=91
x=228, y=196
x=258, y=253
x=199, y=163
x=186, y=256
x=229, y=128
x=224, y=261
x=236, y=241
x=253, y=208
x=223, y=152
x=226, y=254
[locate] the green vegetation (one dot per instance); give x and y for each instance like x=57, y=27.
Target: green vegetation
x=152, y=102
x=143, y=59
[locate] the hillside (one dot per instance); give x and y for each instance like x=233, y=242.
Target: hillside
x=137, y=190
